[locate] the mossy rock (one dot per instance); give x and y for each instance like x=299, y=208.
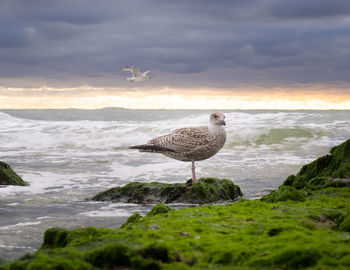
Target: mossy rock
x=9, y=177
x=206, y=190
x=344, y=223
x=248, y=234
x=156, y=252
x=131, y=220
x=159, y=209
x=55, y=237
x=285, y=193
x=328, y=171
x=296, y=258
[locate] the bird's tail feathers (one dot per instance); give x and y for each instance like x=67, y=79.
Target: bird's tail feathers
x=152, y=148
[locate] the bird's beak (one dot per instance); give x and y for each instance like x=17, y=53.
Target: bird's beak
x=223, y=122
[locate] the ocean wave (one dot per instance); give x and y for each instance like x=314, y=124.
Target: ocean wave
x=242, y=129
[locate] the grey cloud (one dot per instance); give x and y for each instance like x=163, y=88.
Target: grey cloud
x=13, y=37
x=311, y=9
x=72, y=12
x=88, y=41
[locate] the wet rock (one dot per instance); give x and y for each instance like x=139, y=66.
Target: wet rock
x=131, y=220
x=55, y=237
x=248, y=234
x=159, y=209
x=285, y=193
x=9, y=177
x=206, y=190
x=154, y=227
x=328, y=171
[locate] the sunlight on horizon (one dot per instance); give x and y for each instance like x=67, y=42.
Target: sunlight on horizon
x=94, y=98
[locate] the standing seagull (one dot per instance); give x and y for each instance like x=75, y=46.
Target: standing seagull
x=137, y=76
x=190, y=143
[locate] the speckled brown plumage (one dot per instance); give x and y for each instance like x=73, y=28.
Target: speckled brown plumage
x=190, y=143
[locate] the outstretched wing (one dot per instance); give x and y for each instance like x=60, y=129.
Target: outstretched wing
x=134, y=70
x=146, y=73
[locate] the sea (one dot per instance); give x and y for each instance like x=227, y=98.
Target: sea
x=67, y=156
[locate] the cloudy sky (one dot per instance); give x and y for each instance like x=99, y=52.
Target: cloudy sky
x=223, y=53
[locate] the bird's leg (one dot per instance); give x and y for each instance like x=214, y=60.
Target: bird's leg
x=193, y=173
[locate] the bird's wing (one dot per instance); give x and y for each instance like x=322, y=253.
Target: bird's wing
x=184, y=139
x=134, y=70
x=146, y=72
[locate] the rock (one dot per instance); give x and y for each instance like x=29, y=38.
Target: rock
x=328, y=171
x=324, y=182
x=285, y=193
x=154, y=227
x=248, y=234
x=55, y=238
x=132, y=219
x=156, y=252
x=344, y=223
x=158, y=209
x=9, y=177
x=297, y=258
x=207, y=190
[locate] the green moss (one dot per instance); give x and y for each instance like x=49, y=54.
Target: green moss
x=284, y=193
x=344, y=223
x=9, y=177
x=131, y=220
x=61, y=263
x=156, y=252
x=274, y=231
x=247, y=234
x=206, y=190
x=326, y=171
x=159, y=209
x=110, y=255
x=296, y=258
x=55, y=237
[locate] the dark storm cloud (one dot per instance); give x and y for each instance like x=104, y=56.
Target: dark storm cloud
x=88, y=41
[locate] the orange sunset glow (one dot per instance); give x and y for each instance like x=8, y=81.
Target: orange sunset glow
x=86, y=97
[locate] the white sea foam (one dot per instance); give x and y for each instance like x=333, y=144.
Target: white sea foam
x=44, y=217
x=20, y=224
x=12, y=204
x=16, y=247
x=112, y=210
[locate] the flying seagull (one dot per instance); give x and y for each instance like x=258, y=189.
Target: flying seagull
x=190, y=143
x=137, y=76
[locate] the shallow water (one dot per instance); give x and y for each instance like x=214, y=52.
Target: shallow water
x=69, y=155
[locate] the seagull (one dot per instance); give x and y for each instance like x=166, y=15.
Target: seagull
x=190, y=143
x=137, y=76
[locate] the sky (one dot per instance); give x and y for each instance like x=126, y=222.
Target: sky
x=257, y=54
